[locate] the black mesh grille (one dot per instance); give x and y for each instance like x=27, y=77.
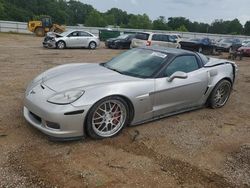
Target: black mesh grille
x=36, y=117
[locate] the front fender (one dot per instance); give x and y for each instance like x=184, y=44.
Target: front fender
x=138, y=92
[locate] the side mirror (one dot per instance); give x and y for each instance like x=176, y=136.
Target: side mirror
x=178, y=74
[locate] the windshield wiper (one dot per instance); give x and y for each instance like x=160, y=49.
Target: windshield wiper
x=114, y=70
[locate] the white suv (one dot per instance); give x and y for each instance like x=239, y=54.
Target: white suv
x=150, y=39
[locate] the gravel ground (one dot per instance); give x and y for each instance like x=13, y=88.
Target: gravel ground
x=202, y=148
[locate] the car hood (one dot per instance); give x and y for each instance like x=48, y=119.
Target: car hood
x=189, y=42
x=114, y=39
x=244, y=48
x=54, y=34
x=72, y=76
x=224, y=44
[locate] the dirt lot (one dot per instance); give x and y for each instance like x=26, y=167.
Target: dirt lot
x=203, y=148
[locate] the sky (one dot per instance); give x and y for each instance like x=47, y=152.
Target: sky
x=195, y=10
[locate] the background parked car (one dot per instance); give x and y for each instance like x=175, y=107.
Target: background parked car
x=177, y=37
x=121, y=42
x=226, y=45
x=201, y=45
x=150, y=39
x=71, y=39
x=244, y=42
x=245, y=49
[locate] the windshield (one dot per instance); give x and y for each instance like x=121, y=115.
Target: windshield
x=65, y=33
x=246, y=41
x=140, y=63
x=247, y=44
x=122, y=36
x=226, y=41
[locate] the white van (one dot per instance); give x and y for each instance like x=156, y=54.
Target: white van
x=150, y=39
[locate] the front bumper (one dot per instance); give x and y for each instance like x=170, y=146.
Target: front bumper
x=109, y=44
x=49, y=44
x=42, y=114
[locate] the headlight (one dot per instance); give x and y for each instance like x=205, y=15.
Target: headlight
x=66, y=97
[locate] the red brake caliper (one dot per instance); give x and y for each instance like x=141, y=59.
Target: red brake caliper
x=116, y=116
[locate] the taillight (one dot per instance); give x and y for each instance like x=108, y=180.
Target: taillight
x=148, y=43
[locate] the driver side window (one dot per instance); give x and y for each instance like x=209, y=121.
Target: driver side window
x=182, y=63
x=74, y=34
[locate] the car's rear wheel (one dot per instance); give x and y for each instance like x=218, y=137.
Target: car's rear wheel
x=92, y=45
x=107, y=117
x=220, y=94
x=61, y=44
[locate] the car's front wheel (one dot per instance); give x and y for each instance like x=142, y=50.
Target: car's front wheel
x=220, y=94
x=61, y=44
x=107, y=117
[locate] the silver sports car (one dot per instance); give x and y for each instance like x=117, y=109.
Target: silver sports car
x=71, y=39
x=142, y=84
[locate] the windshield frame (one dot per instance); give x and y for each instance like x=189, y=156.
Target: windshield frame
x=153, y=75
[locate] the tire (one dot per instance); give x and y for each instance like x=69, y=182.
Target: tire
x=92, y=45
x=107, y=117
x=60, y=44
x=40, y=32
x=220, y=94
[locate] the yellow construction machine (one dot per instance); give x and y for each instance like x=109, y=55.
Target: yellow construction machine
x=40, y=27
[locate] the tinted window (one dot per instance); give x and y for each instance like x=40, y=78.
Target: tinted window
x=131, y=37
x=182, y=63
x=74, y=34
x=204, y=58
x=142, y=36
x=165, y=38
x=173, y=38
x=84, y=34
x=157, y=37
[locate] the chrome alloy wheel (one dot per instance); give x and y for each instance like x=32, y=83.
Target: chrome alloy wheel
x=222, y=94
x=108, y=118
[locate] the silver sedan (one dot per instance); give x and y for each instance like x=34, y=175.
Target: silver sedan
x=71, y=39
x=140, y=85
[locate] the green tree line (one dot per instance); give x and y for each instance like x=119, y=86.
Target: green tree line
x=74, y=12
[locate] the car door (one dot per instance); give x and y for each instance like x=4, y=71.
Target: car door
x=180, y=93
x=84, y=39
x=72, y=39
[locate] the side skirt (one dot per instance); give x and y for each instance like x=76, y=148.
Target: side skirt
x=168, y=114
